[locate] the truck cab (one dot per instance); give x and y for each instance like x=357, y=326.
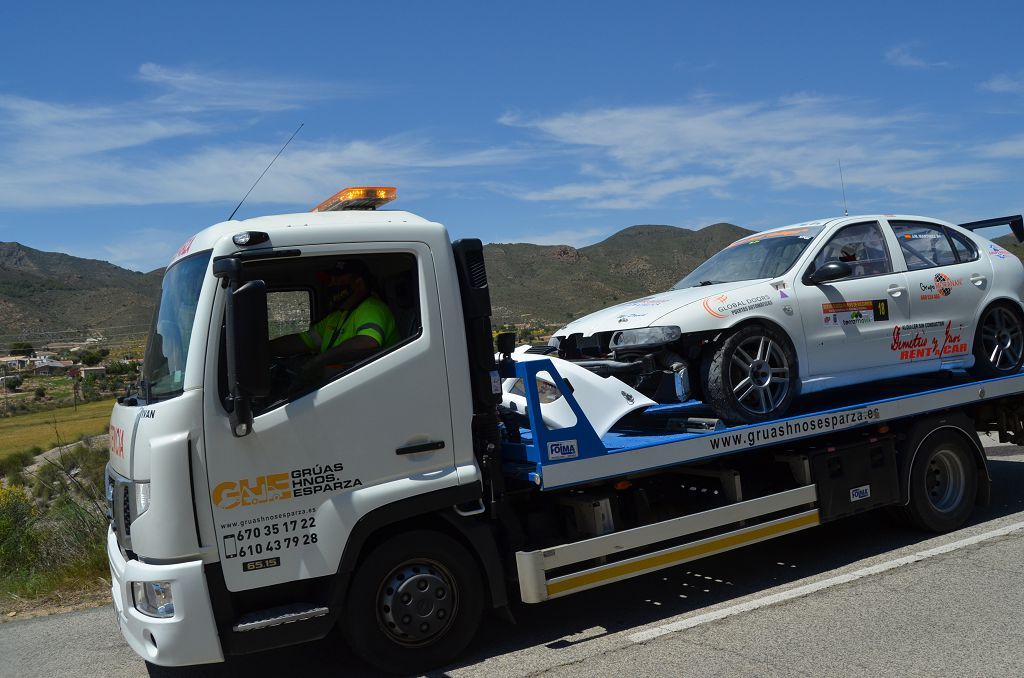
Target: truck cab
x=224, y=524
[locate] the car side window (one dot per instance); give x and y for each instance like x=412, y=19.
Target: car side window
x=965, y=249
x=924, y=245
x=862, y=246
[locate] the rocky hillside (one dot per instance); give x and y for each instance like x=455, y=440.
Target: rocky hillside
x=49, y=291
x=551, y=284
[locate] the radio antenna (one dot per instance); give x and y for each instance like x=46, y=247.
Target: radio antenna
x=846, y=212
x=301, y=124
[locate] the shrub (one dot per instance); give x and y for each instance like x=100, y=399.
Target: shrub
x=19, y=541
x=40, y=393
x=13, y=382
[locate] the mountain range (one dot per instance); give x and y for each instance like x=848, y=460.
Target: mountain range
x=53, y=295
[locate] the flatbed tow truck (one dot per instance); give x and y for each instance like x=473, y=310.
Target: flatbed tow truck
x=398, y=499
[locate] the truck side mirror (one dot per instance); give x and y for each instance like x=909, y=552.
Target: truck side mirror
x=252, y=343
x=248, y=351
x=833, y=270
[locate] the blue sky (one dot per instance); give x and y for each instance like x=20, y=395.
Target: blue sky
x=125, y=128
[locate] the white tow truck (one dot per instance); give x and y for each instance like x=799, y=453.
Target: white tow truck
x=399, y=497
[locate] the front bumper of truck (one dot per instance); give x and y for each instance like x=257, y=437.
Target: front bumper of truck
x=189, y=636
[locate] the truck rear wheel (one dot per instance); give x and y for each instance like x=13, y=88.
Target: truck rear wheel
x=415, y=603
x=943, y=483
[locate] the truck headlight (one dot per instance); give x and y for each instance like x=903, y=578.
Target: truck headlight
x=153, y=598
x=141, y=498
x=644, y=336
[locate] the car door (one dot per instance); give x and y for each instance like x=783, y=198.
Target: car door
x=948, y=282
x=849, y=322
x=286, y=496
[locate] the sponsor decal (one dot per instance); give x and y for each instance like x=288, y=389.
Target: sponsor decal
x=647, y=301
x=783, y=295
x=563, y=449
x=116, y=440
x=920, y=347
x=273, y=487
x=998, y=252
x=942, y=287
x=754, y=239
x=149, y=414
x=720, y=306
x=858, y=493
x=845, y=313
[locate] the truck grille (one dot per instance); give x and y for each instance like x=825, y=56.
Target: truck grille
x=119, y=507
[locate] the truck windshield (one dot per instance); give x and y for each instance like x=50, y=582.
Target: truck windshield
x=749, y=259
x=163, y=370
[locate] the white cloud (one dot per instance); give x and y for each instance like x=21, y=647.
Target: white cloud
x=901, y=56
x=707, y=146
x=57, y=154
x=1007, y=148
x=193, y=90
x=1004, y=84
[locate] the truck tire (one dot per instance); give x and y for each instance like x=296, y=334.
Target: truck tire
x=751, y=375
x=998, y=341
x=415, y=603
x=943, y=484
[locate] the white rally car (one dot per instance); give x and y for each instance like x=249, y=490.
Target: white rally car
x=814, y=306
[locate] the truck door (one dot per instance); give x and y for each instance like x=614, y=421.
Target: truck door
x=947, y=289
x=285, y=497
x=849, y=322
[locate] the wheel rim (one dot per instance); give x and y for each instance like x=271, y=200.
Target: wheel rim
x=760, y=373
x=1002, y=339
x=417, y=602
x=946, y=481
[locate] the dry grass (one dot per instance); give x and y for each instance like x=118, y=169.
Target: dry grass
x=37, y=429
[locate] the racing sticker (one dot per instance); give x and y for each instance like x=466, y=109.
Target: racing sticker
x=942, y=287
x=722, y=306
x=998, y=252
x=918, y=346
x=758, y=237
x=845, y=313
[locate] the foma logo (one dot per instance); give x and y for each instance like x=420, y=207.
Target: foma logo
x=563, y=449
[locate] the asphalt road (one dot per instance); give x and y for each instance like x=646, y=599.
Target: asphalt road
x=856, y=596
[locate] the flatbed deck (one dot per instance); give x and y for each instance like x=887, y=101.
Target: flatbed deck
x=575, y=455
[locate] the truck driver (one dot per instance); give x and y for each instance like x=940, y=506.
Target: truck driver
x=360, y=325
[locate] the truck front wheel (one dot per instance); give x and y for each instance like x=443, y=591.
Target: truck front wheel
x=415, y=603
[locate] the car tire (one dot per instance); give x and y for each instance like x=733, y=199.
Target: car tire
x=943, y=484
x=414, y=604
x=999, y=341
x=751, y=375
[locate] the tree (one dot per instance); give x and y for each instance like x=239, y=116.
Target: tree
x=13, y=382
x=40, y=393
x=22, y=348
x=89, y=358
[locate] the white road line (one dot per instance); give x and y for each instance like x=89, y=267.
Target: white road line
x=808, y=589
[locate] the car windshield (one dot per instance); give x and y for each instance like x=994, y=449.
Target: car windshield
x=750, y=259
x=163, y=369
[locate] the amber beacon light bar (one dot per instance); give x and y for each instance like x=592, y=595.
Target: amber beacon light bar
x=358, y=198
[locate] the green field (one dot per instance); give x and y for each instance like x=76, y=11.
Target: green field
x=42, y=429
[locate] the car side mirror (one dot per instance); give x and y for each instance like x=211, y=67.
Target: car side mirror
x=833, y=270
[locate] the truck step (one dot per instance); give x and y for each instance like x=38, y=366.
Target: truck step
x=275, y=616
